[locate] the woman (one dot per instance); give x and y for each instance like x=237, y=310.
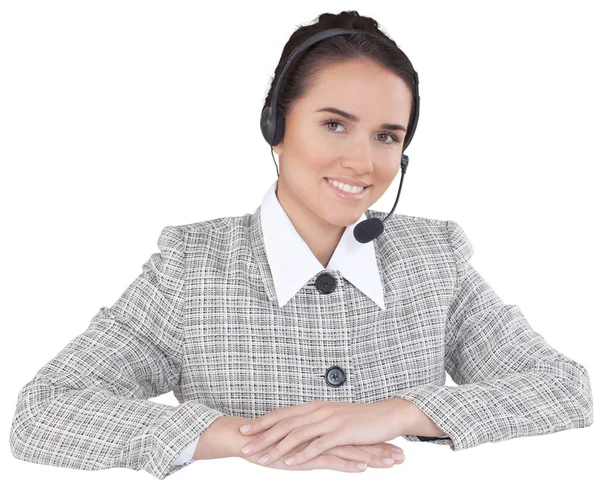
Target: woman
x=325, y=345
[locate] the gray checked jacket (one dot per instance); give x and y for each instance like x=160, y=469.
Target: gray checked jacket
x=201, y=320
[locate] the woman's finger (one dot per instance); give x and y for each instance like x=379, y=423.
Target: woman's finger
x=321, y=462
x=386, y=450
x=373, y=456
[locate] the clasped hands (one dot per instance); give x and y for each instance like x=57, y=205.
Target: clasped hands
x=322, y=426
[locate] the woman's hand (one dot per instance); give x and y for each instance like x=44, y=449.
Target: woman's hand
x=320, y=426
x=341, y=458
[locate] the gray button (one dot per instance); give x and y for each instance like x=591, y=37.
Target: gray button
x=325, y=283
x=335, y=376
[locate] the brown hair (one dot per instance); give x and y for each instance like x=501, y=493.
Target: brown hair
x=371, y=44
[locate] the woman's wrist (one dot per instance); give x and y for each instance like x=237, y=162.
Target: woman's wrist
x=222, y=439
x=415, y=421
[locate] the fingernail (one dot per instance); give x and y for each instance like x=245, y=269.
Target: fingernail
x=398, y=456
x=361, y=466
x=397, y=450
x=263, y=459
x=246, y=449
x=388, y=461
x=245, y=428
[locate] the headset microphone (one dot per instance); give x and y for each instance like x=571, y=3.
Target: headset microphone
x=272, y=125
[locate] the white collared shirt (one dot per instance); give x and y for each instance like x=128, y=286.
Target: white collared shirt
x=293, y=264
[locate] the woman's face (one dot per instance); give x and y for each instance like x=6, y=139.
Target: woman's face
x=357, y=150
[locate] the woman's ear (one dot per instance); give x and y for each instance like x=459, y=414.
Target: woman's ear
x=279, y=148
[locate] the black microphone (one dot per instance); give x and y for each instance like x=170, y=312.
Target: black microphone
x=369, y=229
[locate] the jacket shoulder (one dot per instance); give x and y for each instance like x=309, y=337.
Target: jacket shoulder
x=216, y=224
x=408, y=222
x=202, y=234
x=421, y=228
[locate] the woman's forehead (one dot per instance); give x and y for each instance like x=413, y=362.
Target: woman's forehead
x=357, y=80
x=367, y=102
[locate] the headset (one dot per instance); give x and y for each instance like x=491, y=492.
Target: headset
x=272, y=126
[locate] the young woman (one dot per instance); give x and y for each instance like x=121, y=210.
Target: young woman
x=329, y=339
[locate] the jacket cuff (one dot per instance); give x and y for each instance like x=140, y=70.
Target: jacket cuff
x=186, y=457
x=190, y=419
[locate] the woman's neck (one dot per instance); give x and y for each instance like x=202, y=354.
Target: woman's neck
x=320, y=236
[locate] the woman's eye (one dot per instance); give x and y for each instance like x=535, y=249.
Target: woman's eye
x=392, y=140
x=334, y=122
x=390, y=136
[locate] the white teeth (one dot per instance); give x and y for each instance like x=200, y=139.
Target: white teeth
x=353, y=189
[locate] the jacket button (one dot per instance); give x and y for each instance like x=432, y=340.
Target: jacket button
x=325, y=283
x=335, y=376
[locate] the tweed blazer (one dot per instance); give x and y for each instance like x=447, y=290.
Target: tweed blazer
x=202, y=320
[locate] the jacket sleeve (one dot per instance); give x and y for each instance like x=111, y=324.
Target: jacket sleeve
x=186, y=456
x=510, y=382
x=88, y=407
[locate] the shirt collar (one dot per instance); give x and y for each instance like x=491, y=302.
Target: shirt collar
x=293, y=264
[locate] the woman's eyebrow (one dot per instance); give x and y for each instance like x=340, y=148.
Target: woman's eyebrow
x=354, y=118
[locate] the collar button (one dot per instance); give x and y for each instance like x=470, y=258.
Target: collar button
x=325, y=283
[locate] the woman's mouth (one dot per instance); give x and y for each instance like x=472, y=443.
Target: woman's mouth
x=346, y=195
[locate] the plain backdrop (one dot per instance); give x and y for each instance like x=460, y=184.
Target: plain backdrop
x=118, y=118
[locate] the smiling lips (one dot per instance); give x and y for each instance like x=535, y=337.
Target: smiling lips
x=346, y=195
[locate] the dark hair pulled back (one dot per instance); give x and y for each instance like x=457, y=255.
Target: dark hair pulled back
x=371, y=44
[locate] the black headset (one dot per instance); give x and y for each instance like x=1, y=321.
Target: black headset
x=272, y=125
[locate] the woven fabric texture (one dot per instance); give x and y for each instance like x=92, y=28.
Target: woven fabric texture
x=202, y=320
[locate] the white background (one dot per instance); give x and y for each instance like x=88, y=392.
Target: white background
x=120, y=117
